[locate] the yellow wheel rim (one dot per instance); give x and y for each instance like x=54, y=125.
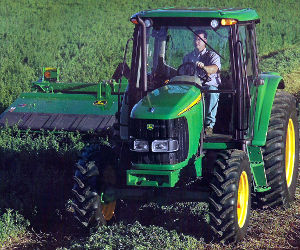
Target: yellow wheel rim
x=290, y=152
x=109, y=177
x=243, y=198
x=108, y=210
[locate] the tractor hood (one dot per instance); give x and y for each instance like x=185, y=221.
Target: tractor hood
x=167, y=102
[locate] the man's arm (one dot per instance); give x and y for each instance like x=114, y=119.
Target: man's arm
x=210, y=69
x=214, y=64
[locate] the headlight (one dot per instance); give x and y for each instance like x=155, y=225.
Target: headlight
x=165, y=145
x=140, y=146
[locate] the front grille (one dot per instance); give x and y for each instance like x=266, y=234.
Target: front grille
x=163, y=129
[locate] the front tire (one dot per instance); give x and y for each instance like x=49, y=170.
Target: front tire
x=281, y=153
x=230, y=196
x=94, y=172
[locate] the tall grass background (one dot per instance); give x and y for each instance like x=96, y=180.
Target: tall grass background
x=86, y=39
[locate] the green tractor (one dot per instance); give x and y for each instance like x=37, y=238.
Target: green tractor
x=155, y=113
x=162, y=146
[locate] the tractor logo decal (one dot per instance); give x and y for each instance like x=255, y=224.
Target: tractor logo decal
x=150, y=126
x=100, y=103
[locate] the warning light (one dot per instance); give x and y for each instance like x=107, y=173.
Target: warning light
x=135, y=21
x=228, y=21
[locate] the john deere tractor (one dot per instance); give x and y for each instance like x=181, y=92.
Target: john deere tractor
x=155, y=112
x=161, y=142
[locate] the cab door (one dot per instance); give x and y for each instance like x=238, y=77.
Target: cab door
x=247, y=37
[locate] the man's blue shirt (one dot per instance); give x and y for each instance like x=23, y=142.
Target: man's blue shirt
x=208, y=58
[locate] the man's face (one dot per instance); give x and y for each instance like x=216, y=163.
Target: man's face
x=199, y=44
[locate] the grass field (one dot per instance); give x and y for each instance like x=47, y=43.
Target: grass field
x=86, y=39
x=178, y=226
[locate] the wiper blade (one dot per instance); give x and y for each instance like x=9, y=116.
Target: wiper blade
x=205, y=42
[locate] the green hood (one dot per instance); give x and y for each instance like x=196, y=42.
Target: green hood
x=167, y=102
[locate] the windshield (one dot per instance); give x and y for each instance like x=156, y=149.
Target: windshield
x=168, y=47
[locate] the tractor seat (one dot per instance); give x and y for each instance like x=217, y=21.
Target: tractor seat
x=187, y=79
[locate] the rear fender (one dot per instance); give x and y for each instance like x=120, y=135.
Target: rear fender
x=265, y=98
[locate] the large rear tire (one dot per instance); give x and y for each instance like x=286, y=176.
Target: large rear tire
x=94, y=172
x=281, y=153
x=230, y=196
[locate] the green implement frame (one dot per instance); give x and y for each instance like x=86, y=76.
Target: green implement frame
x=53, y=105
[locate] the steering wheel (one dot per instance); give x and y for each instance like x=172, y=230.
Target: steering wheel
x=190, y=68
x=187, y=68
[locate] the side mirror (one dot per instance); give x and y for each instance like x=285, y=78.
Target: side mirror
x=122, y=70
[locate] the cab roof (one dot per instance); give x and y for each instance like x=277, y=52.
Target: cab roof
x=240, y=14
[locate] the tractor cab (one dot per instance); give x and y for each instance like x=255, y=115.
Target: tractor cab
x=163, y=40
x=169, y=45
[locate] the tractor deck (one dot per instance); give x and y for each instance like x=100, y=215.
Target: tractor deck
x=56, y=121
x=60, y=111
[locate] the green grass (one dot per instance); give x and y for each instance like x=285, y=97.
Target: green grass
x=36, y=172
x=181, y=226
x=136, y=236
x=287, y=63
x=86, y=38
x=12, y=225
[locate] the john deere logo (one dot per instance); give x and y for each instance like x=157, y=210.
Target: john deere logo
x=103, y=102
x=150, y=126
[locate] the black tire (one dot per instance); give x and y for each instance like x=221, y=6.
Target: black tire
x=231, y=173
x=90, y=180
x=274, y=153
